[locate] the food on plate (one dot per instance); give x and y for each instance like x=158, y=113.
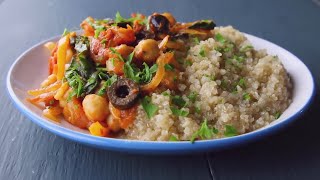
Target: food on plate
x=156, y=79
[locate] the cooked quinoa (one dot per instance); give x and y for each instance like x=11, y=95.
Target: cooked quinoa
x=235, y=88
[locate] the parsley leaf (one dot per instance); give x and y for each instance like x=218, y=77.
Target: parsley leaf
x=114, y=51
x=246, y=96
x=169, y=67
x=154, y=68
x=212, y=77
x=202, y=51
x=242, y=83
x=277, y=115
x=197, y=109
x=65, y=32
x=142, y=20
x=193, y=96
x=149, y=107
x=165, y=93
x=98, y=31
x=204, y=132
x=230, y=131
x=188, y=62
x=173, y=138
x=218, y=37
x=107, y=84
x=179, y=112
x=179, y=101
x=246, y=48
x=196, y=40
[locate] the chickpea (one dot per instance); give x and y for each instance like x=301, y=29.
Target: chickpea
x=95, y=107
x=170, y=18
x=124, y=50
x=113, y=124
x=147, y=50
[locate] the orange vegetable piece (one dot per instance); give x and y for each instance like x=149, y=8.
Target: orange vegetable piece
x=97, y=129
x=74, y=114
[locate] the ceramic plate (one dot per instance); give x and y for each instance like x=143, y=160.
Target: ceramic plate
x=30, y=69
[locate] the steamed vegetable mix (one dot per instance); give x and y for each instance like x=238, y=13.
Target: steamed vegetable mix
x=98, y=78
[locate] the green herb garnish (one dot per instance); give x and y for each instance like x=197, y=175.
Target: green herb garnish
x=197, y=109
x=173, y=138
x=168, y=67
x=188, y=62
x=179, y=112
x=246, y=48
x=107, y=84
x=204, y=132
x=193, y=96
x=196, y=40
x=119, y=19
x=242, y=83
x=98, y=31
x=230, y=131
x=218, y=37
x=149, y=107
x=179, y=101
x=202, y=51
x=65, y=32
x=211, y=77
x=277, y=115
x=246, y=96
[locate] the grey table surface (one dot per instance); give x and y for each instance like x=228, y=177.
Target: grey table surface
x=30, y=152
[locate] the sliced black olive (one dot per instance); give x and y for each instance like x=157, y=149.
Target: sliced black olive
x=124, y=24
x=143, y=34
x=124, y=93
x=159, y=23
x=203, y=24
x=179, y=36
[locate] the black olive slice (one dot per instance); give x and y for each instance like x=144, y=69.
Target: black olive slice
x=159, y=23
x=123, y=93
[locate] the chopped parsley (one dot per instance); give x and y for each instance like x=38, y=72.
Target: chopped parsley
x=173, y=138
x=246, y=96
x=211, y=77
x=193, y=96
x=132, y=72
x=197, y=109
x=107, y=84
x=179, y=101
x=65, y=32
x=242, y=83
x=114, y=51
x=142, y=20
x=277, y=115
x=218, y=37
x=230, y=131
x=165, y=93
x=188, y=62
x=246, y=48
x=98, y=31
x=179, y=112
x=204, y=132
x=202, y=51
x=169, y=67
x=196, y=40
x=149, y=107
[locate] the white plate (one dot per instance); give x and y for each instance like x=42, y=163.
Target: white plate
x=30, y=69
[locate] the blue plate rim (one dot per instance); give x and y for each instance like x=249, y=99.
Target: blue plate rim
x=152, y=147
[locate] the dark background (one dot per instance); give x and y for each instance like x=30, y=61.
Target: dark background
x=29, y=152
